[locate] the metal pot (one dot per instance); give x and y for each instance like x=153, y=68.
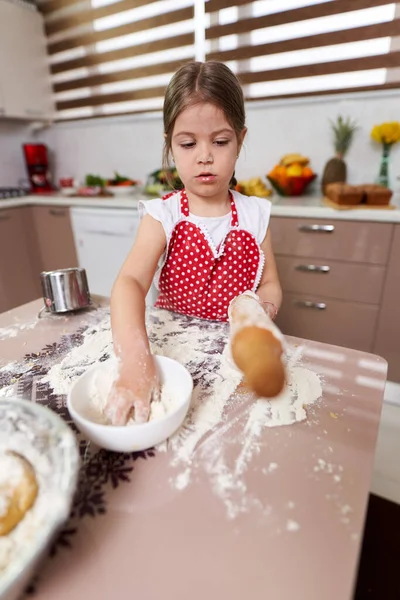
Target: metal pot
x=65, y=290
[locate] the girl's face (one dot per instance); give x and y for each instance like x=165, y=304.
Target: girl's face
x=205, y=148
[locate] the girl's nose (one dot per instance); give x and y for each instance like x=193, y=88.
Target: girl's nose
x=205, y=159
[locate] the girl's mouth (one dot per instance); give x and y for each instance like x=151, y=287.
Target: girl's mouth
x=206, y=177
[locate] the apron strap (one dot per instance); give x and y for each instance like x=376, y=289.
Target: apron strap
x=185, y=208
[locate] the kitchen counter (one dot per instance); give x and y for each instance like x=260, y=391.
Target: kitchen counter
x=299, y=537
x=303, y=207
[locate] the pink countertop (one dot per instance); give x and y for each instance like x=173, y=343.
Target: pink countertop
x=134, y=535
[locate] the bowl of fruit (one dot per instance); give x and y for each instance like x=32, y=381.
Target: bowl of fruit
x=120, y=185
x=292, y=175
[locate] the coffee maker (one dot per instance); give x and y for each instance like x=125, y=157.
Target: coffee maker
x=37, y=165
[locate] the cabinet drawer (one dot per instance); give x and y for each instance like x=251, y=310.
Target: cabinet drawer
x=341, y=280
x=55, y=237
x=354, y=241
x=330, y=321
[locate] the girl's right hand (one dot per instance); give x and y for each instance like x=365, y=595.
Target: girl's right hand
x=133, y=391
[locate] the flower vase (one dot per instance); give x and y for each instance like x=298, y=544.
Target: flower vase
x=383, y=175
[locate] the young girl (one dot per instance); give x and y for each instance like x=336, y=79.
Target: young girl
x=210, y=243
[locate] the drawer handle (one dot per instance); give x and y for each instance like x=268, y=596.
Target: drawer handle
x=4, y=217
x=56, y=212
x=317, y=228
x=309, y=304
x=313, y=268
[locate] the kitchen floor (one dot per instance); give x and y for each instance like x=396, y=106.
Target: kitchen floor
x=386, y=474
x=378, y=575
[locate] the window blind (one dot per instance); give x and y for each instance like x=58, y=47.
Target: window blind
x=117, y=56
x=289, y=48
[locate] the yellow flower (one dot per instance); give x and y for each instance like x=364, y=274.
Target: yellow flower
x=386, y=133
x=376, y=134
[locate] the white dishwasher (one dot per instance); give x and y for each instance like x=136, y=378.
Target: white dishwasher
x=103, y=239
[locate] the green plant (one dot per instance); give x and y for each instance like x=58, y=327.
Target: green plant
x=343, y=134
x=94, y=180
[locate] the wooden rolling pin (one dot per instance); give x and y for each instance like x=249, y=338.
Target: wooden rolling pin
x=257, y=346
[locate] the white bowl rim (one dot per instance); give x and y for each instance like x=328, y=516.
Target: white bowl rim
x=142, y=426
x=17, y=569
x=122, y=187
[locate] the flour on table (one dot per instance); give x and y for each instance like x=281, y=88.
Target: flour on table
x=11, y=331
x=292, y=525
x=219, y=413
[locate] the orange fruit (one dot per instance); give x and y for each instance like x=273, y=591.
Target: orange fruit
x=307, y=172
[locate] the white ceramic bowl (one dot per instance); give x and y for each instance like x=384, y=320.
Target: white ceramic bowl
x=121, y=191
x=49, y=444
x=68, y=191
x=131, y=438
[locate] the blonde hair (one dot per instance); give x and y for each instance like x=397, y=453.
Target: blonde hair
x=197, y=82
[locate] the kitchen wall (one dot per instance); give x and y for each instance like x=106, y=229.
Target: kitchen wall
x=133, y=144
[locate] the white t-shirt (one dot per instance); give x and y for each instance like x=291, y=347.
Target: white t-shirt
x=253, y=216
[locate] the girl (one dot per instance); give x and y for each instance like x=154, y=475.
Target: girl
x=213, y=242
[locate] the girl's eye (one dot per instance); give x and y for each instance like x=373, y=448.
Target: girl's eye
x=222, y=142
x=188, y=145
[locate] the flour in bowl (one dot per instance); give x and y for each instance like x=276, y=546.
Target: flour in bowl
x=100, y=386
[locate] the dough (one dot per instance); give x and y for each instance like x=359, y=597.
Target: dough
x=18, y=490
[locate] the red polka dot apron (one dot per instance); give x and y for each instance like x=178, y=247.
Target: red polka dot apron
x=200, y=280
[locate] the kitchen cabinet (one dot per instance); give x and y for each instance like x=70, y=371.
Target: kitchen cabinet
x=349, y=241
x=19, y=277
x=387, y=342
x=332, y=274
x=321, y=318
x=55, y=240
x=25, y=87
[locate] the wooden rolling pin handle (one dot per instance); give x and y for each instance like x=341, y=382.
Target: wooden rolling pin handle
x=257, y=346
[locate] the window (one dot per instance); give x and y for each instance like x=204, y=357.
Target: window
x=117, y=56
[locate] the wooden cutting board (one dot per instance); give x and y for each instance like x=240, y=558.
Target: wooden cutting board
x=337, y=206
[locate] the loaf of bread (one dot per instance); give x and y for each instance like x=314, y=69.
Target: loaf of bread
x=257, y=346
x=342, y=193
x=367, y=193
x=376, y=194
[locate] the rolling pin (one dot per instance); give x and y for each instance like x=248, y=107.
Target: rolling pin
x=257, y=346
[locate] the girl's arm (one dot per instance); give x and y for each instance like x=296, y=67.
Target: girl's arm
x=269, y=290
x=137, y=374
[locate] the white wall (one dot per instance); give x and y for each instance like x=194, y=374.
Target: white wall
x=133, y=144
x=304, y=127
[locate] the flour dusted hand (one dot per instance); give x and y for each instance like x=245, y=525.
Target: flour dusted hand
x=131, y=394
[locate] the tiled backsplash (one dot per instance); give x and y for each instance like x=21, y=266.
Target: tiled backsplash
x=133, y=144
